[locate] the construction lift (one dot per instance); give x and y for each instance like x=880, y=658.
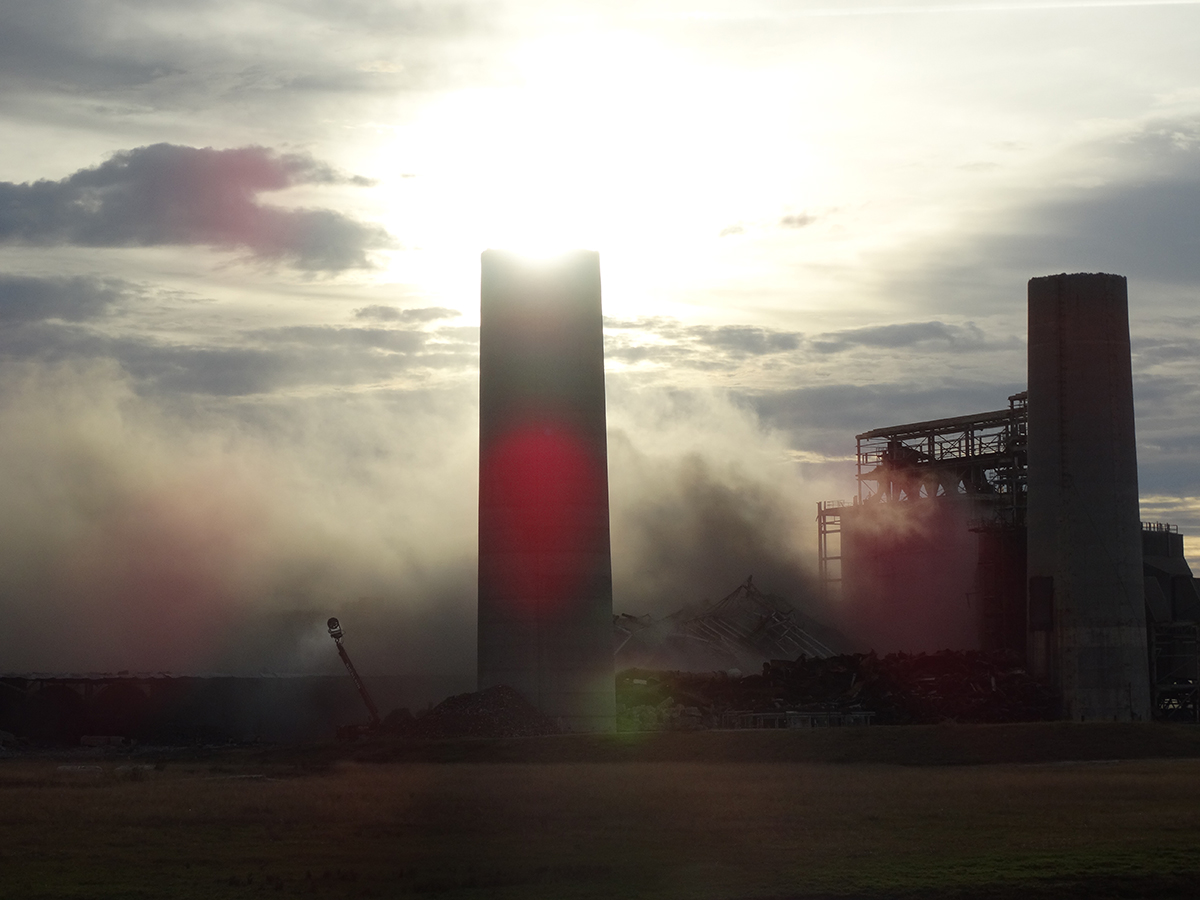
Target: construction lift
x=353, y=731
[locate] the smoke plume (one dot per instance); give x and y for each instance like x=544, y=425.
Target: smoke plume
x=137, y=538
x=217, y=534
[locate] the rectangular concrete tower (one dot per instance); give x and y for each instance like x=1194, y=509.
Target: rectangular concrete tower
x=1087, y=625
x=545, y=567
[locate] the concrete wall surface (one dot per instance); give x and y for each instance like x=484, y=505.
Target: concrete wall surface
x=1087, y=628
x=545, y=568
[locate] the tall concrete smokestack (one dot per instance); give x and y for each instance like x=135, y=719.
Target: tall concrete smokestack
x=1087, y=625
x=545, y=568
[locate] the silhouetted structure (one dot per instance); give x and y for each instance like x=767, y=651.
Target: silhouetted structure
x=545, y=570
x=1087, y=622
x=336, y=632
x=1018, y=530
x=930, y=555
x=1173, y=617
x=740, y=631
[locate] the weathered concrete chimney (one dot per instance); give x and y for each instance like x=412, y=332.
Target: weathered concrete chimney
x=545, y=569
x=1087, y=625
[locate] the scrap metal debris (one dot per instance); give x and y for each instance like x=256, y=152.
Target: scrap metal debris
x=898, y=689
x=498, y=712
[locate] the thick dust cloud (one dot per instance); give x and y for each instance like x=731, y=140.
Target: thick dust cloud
x=703, y=497
x=203, y=534
x=137, y=538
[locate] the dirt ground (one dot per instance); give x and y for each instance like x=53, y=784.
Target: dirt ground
x=733, y=815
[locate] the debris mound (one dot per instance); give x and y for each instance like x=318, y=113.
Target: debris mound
x=498, y=712
x=898, y=689
x=902, y=688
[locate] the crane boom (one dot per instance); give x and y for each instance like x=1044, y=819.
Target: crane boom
x=335, y=632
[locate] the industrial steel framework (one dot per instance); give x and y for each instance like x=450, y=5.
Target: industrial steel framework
x=829, y=553
x=981, y=455
x=750, y=618
x=1173, y=632
x=1175, y=671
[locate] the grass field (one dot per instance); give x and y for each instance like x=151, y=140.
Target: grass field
x=660, y=817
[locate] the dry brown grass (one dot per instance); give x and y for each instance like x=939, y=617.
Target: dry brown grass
x=599, y=830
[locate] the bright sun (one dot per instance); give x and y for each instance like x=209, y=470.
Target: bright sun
x=602, y=140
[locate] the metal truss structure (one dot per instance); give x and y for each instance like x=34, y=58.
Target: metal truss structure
x=749, y=619
x=829, y=547
x=980, y=455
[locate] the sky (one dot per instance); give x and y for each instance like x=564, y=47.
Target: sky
x=239, y=275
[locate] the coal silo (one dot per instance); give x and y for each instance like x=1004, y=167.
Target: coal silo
x=1087, y=625
x=545, y=570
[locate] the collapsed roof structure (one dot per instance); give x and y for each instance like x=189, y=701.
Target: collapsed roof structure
x=740, y=631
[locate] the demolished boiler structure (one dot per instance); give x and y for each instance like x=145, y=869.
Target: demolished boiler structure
x=739, y=632
x=545, y=569
x=1018, y=529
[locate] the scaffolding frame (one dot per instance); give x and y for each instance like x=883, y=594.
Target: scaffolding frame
x=829, y=564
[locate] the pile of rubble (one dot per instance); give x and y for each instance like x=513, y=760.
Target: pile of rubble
x=498, y=712
x=897, y=689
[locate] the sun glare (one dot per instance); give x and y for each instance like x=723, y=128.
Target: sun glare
x=606, y=141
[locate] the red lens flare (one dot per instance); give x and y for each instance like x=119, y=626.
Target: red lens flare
x=544, y=494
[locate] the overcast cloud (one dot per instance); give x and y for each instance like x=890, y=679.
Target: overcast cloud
x=24, y=299
x=164, y=194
